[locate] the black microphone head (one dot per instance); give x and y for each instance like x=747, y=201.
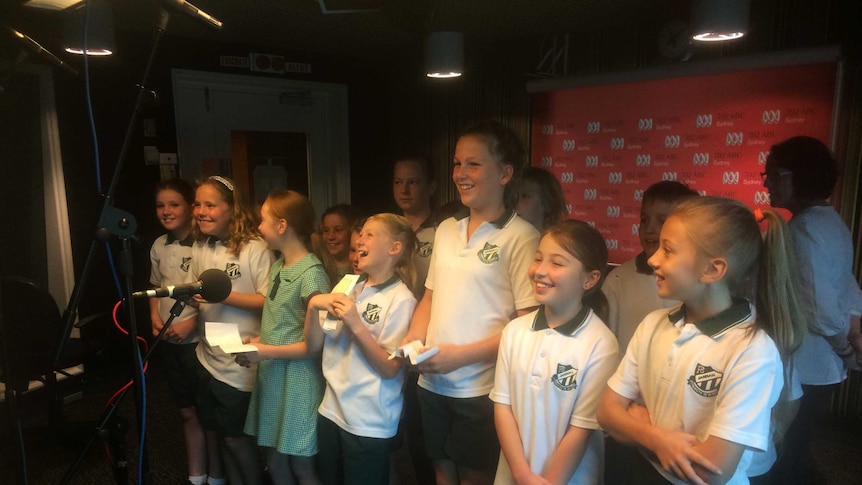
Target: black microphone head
x=215, y=285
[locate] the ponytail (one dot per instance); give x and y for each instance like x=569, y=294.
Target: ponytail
x=400, y=230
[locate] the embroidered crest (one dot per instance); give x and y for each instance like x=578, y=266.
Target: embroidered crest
x=424, y=249
x=186, y=263
x=566, y=377
x=489, y=254
x=705, y=380
x=232, y=270
x=371, y=313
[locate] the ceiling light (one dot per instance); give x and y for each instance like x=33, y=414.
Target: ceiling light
x=100, y=29
x=444, y=54
x=51, y=4
x=719, y=20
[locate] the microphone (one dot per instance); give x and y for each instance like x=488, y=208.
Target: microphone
x=41, y=51
x=214, y=286
x=195, y=12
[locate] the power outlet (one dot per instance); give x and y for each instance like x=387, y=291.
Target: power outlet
x=167, y=158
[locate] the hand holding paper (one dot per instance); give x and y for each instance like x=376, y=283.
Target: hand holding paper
x=345, y=286
x=226, y=337
x=413, y=351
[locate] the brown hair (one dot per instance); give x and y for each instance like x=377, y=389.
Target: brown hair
x=585, y=243
x=243, y=222
x=296, y=209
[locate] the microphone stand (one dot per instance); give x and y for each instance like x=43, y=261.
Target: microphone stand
x=105, y=430
x=115, y=222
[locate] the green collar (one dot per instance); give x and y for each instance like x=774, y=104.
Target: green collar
x=716, y=325
x=189, y=241
x=568, y=328
x=382, y=286
x=501, y=221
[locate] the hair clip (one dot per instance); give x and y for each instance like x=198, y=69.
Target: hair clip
x=758, y=215
x=223, y=181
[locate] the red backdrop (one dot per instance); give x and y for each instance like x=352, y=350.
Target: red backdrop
x=606, y=144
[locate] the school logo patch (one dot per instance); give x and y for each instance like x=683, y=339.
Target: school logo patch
x=566, y=377
x=424, y=249
x=705, y=380
x=372, y=313
x=232, y=270
x=490, y=254
x=185, y=264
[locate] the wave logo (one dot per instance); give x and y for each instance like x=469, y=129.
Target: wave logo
x=671, y=141
x=548, y=129
x=733, y=138
x=761, y=158
x=612, y=244
x=594, y=127
x=636, y=229
x=590, y=194
x=700, y=159
x=591, y=161
x=615, y=177
x=618, y=143
x=701, y=193
x=567, y=177
x=761, y=197
x=645, y=124
x=568, y=145
x=639, y=194
x=642, y=160
x=668, y=176
x=547, y=162
x=703, y=121
x=613, y=211
x=771, y=116
x=730, y=178
x=569, y=209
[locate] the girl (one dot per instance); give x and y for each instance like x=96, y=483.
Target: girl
x=477, y=282
x=335, y=238
x=289, y=384
x=362, y=403
x=540, y=198
x=553, y=365
x=170, y=258
x=355, y=232
x=707, y=371
x=228, y=240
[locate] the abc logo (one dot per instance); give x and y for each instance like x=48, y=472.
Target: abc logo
x=547, y=129
x=613, y=211
x=567, y=177
x=645, y=124
x=668, y=176
x=733, y=139
x=761, y=197
x=642, y=161
x=569, y=209
x=592, y=161
x=638, y=194
x=591, y=224
x=635, y=229
x=593, y=127
x=671, y=141
x=700, y=159
x=547, y=162
x=617, y=143
x=761, y=158
x=703, y=121
x=771, y=116
x=615, y=177
x=568, y=145
x=589, y=194
x=730, y=178
x=612, y=244
x=701, y=193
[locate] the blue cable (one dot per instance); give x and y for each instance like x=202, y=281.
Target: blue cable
x=90, y=101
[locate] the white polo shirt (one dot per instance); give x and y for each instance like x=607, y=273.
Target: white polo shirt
x=170, y=264
x=357, y=399
x=553, y=379
x=249, y=273
x=714, y=377
x=478, y=285
x=422, y=255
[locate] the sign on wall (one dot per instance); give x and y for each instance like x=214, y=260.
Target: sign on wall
x=607, y=144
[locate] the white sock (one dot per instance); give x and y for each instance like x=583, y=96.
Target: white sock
x=217, y=481
x=198, y=480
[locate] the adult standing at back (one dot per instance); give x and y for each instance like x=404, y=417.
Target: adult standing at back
x=800, y=176
x=477, y=282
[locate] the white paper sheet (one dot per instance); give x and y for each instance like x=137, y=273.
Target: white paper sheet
x=226, y=337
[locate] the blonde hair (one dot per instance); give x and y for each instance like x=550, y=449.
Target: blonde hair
x=243, y=222
x=759, y=268
x=297, y=210
x=400, y=230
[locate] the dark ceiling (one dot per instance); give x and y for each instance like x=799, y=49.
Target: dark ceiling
x=393, y=28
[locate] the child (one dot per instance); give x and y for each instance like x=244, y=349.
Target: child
x=553, y=365
x=170, y=258
x=362, y=404
x=540, y=199
x=355, y=232
x=335, y=227
x=289, y=384
x=228, y=240
x=631, y=287
x=476, y=284
x=412, y=187
x=707, y=371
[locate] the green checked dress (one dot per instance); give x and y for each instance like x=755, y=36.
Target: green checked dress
x=283, y=409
